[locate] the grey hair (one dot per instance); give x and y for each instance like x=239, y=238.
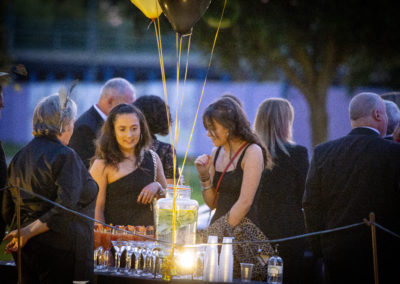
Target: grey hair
x=118, y=85
x=273, y=124
x=49, y=118
x=363, y=104
x=393, y=114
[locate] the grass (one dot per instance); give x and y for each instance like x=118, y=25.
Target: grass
x=10, y=149
x=4, y=257
x=192, y=179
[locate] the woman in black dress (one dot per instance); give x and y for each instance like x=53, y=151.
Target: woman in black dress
x=282, y=187
x=128, y=174
x=57, y=246
x=233, y=194
x=155, y=112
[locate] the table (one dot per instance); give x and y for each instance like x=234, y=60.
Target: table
x=8, y=272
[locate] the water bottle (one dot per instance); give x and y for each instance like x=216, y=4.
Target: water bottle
x=275, y=268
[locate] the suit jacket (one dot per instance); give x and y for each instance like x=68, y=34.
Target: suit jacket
x=349, y=178
x=3, y=183
x=86, y=129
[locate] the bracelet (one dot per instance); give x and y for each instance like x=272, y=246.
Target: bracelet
x=206, y=185
x=161, y=190
x=205, y=179
x=204, y=188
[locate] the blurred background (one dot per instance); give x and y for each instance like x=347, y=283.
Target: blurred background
x=317, y=54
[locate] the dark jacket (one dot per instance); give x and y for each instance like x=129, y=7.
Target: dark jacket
x=47, y=167
x=3, y=182
x=86, y=128
x=349, y=178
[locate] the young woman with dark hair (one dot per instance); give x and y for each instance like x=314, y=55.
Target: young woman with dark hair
x=128, y=174
x=230, y=177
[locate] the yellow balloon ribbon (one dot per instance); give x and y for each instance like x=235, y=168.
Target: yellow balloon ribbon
x=150, y=8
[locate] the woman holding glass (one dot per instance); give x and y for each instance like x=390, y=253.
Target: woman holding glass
x=230, y=177
x=283, y=186
x=57, y=246
x=128, y=174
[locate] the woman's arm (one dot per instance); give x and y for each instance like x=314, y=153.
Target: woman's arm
x=205, y=168
x=27, y=232
x=155, y=188
x=160, y=177
x=253, y=166
x=99, y=174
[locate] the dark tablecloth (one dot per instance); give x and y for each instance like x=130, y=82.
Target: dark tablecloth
x=8, y=272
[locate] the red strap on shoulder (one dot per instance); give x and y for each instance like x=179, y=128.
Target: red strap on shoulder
x=228, y=165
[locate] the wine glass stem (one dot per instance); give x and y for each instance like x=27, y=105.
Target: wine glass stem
x=136, y=262
x=128, y=261
x=95, y=257
x=117, y=261
x=144, y=263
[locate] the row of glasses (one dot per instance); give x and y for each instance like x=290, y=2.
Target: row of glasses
x=102, y=247
x=103, y=238
x=143, y=255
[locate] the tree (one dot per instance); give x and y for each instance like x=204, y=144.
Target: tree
x=310, y=41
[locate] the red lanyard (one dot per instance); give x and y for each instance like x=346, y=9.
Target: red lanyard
x=227, y=166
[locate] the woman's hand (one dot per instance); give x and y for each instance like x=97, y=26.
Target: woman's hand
x=148, y=192
x=203, y=164
x=12, y=246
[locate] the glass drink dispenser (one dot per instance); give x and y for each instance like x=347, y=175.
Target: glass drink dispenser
x=186, y=216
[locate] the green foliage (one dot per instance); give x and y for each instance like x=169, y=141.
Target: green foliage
x=48, y=10
x=3, y=256
x=10, y=149
x=192, y=179
x=184, y=217
x=269, y=33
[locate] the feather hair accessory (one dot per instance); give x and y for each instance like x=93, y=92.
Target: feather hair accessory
x=63, y=96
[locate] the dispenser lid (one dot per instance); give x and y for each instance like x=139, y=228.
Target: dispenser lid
x=179, y=187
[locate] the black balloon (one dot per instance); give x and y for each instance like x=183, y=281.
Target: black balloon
x=183, y=14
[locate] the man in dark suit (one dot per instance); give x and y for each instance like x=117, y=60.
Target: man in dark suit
x=393, y=114
x=3, y=165
x=114, y=92
x=348, y=178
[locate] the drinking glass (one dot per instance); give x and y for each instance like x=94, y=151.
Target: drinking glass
x=97, y=259
x=199, y=265
x=137, y=251
x=106, y=260
x=156, y=263
x=119, y=247
x=246, y=271
x=130, y=245
x=145, y=252
x=98, y=249
x=149, y=259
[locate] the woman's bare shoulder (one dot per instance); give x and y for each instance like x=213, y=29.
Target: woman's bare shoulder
x=99, y=165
